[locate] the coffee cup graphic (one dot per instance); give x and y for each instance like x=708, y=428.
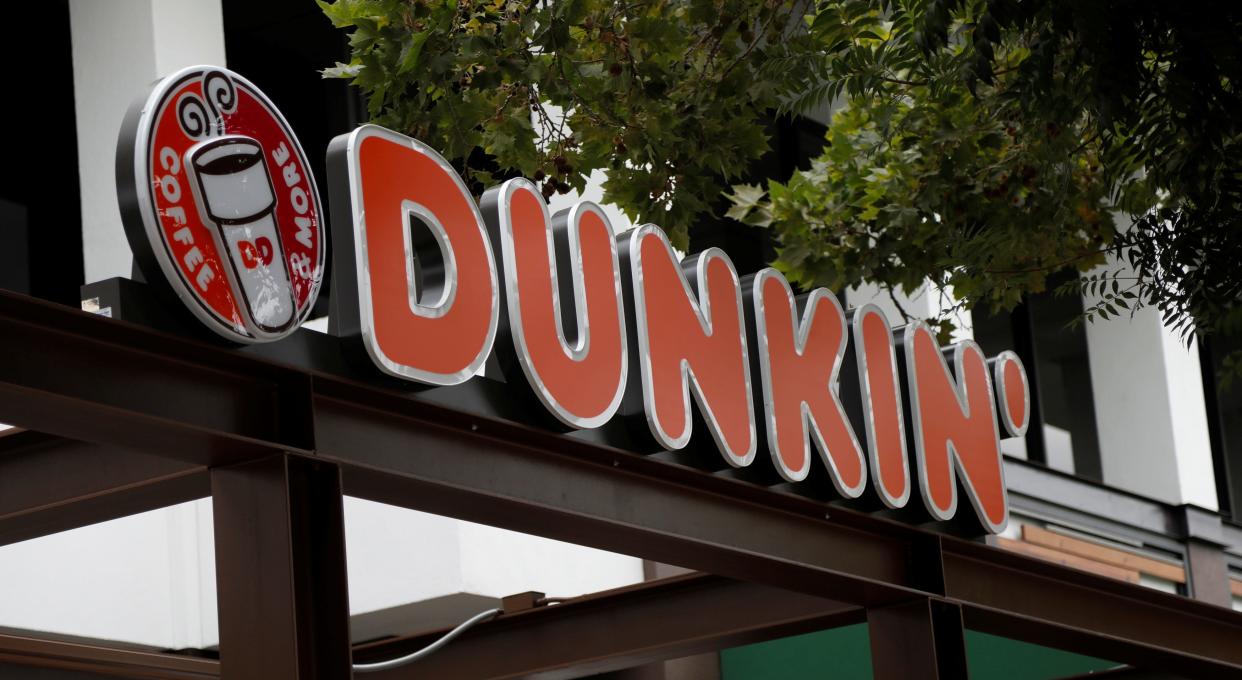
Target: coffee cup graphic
x=236, y=197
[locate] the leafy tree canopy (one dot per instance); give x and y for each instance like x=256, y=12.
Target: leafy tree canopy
x=665, y=96
x=988, y=144
x=982, y=144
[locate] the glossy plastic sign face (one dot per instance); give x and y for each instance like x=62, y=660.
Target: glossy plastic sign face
x=427, y=290
x=1013, y=393
x=955, y=425
x=562, y=302
x=217, y=195
x=881, y=404
x=799, y=364
x=690, y=339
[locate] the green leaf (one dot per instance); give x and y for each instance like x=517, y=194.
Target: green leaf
x=411, y=50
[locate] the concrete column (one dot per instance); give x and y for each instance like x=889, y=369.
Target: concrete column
x=1149, y=408
x=119, y=48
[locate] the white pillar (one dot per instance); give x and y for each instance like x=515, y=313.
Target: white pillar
x=1149, y=409
x=119, y=48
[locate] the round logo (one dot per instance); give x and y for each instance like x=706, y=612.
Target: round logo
x=216, y=192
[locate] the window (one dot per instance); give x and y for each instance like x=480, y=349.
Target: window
x=1224, y=412
x=1064, y=435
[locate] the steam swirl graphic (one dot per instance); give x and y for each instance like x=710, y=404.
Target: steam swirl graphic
x=220, y=93
x=194, y=118
x=203, y=117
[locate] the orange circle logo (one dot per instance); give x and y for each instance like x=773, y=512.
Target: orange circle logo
x=217, y=194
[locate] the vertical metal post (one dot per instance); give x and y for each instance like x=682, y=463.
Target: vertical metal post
x=917, y=640
x=280, y=570
x=1207, y=572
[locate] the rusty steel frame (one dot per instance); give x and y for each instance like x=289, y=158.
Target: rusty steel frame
x=135, y=419
x=77, y=658
x=598, y=633
x=622, y=628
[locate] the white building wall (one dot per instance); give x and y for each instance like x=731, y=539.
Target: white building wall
x=120, y=47
x=1196, y=473
x=136, y=579
x=1150, y=410
x=397, y=556
x=496, y=562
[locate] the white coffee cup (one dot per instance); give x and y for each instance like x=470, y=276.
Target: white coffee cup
x=235, y=194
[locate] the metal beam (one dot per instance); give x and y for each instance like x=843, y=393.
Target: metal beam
x=917, y=640
x=604, y=635
x=1124, y=673
x=105, y=661
x=401, y=452
x=1206, y=564
x=617, y=629
x=94, y=379
x=281, y=589
x=535, y=482
x=118, y=384
x=596, y=633
x=1005, y=594
x=49, y=484
x=1209, y=572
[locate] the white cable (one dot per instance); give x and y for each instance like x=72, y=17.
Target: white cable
x=415, y=656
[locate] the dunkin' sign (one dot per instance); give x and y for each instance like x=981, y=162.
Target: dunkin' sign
x=594, y=325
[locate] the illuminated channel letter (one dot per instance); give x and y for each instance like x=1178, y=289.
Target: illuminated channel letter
x=427, y=297
x=954, y=422
x=799, y=367
x=1013, y=393
x=690, y=337
x=881, y=400
x=577, y=365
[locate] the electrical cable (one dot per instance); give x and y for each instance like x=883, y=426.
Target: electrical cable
x=415, y=656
